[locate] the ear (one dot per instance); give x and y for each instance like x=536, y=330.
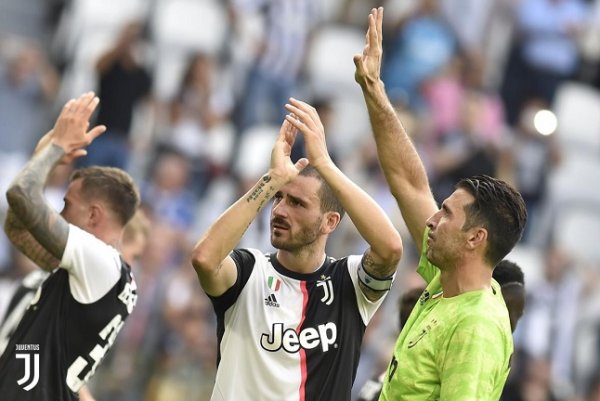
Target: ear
x=330, y=222
x=476, y=237
x=96, y=214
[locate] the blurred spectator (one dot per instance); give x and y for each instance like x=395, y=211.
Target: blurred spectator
x=464, y=151
x=187, y=368
x=420, y=47
x=548, y=329
x=274, y=76
x=199, y=121
x=28, y=83
x=167, y=192
x=587, y=341
x=471, y=36
x=546, y=52
x=123, y=83
x=529, y=159
x=512, y=283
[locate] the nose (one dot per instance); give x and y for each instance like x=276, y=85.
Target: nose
x=278, y=209
x=432, y=221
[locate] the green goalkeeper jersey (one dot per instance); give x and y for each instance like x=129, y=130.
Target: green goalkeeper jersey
x=451, y=349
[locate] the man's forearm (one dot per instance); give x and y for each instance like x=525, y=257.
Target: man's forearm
x=227, y=231
x=369, y=219
x=23, y=240
x=398, y=157
x=26, y=199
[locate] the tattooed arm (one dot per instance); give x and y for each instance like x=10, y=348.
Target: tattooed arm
x=31, y=224
x=216, y=270
x=385, y=244
x=22, y=239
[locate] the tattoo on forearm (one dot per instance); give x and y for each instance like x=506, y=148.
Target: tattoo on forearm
x=268, y=196
x=29, y=205
x=23, y=240
x=259, y=189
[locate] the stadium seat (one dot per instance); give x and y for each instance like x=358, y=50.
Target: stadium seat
x=577, y=230
x=329, y=64
x=577, y=109
x=531, y=261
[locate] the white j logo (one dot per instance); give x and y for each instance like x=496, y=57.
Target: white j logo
x=327, y=291
x=27, y=375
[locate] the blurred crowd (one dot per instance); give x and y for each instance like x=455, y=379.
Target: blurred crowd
x=192, y=93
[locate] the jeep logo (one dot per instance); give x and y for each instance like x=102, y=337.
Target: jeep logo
x=309, y=338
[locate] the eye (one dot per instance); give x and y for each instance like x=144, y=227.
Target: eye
x=277, y=197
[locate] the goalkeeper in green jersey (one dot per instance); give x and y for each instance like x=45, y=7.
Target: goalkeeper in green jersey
x=456, y=344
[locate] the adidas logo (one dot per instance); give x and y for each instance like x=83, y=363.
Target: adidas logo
x=271, y=301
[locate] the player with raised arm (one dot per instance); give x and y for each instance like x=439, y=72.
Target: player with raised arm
x=290, y=323
x=78, y=311
x=457, y=343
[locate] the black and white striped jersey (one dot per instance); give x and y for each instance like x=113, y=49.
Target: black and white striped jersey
x=286, y=336
x=70, y=323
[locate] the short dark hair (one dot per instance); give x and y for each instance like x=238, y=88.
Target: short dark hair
x=508, y=272
x=329, y=202
x=497, y=207
x=112, y=185
x=406, y=303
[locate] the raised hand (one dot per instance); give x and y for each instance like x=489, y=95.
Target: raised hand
x=70, y=130
x=368, y=64
x=305, y=119
x=281, y=163
x=67, y=158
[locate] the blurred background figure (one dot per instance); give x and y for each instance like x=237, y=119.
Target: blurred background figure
x=545, y=52
x=529, y=158
x=420, y=46
x=199, y=121
x=274, y=75
x=28, y=84
x=123, y=83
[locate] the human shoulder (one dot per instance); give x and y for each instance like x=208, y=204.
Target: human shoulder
x=93, y=265
x=483, y=319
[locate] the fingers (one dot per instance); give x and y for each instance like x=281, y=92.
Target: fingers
x=375, y=31
x=90, y=107
x=77, y=154
x=83, y=106
x=358, y=62
x=301, y=164
x=306, y=115
x=372, y=32
x=95, y=132
x=283, y=131
x=380, y=22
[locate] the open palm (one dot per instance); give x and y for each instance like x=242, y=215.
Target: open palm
x=368, y=64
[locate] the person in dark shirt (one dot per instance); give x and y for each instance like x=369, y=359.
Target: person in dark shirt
x=123, y=83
